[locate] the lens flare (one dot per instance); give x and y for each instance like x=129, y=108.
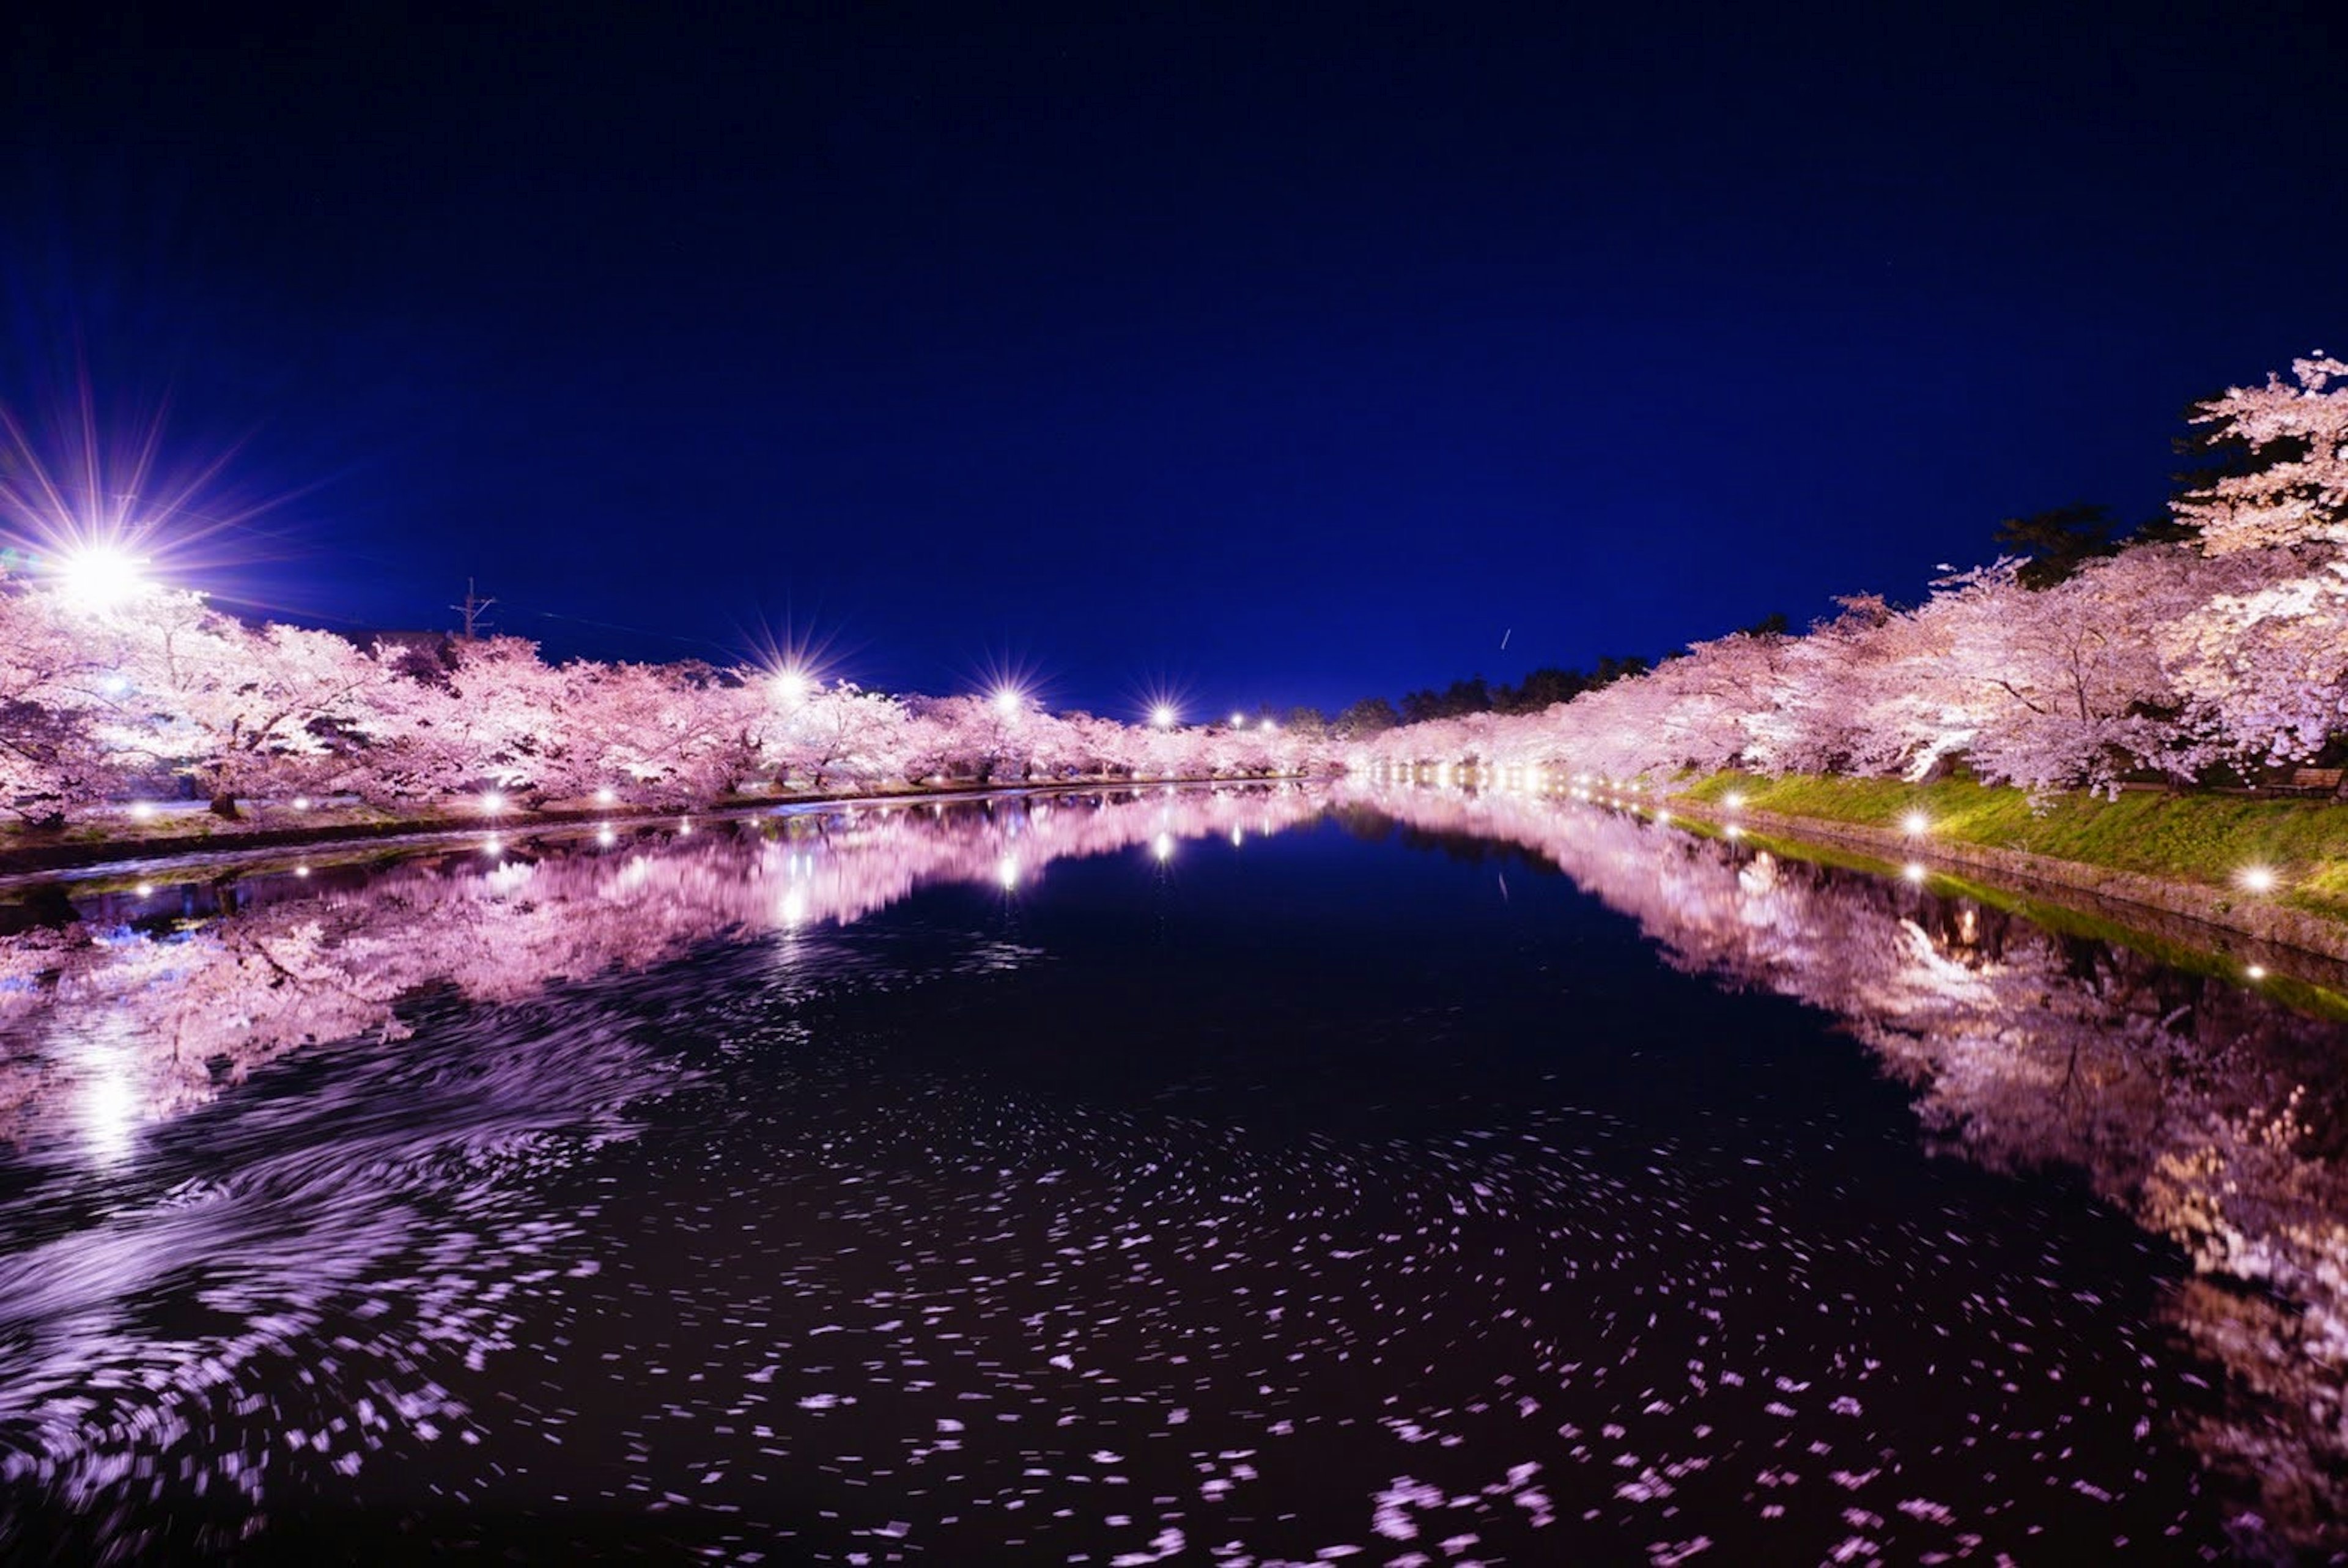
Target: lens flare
x=100, y=577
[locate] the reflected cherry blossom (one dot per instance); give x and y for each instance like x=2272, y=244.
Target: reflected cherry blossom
x=2193, y=1100
x=129, y=1015
x=2204, y=1108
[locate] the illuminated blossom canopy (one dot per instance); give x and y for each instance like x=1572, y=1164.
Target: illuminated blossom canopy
x=2164, y=661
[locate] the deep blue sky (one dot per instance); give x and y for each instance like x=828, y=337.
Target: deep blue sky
x=1287, y=361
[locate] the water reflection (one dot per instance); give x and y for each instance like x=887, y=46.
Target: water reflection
x=123, y=1008
x=2202, y=1107
x=387, y=1219
x=281, y=1293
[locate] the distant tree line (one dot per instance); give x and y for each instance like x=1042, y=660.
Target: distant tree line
x=2051, y=545
x=2208, y=645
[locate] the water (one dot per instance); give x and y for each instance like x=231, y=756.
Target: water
x=1247, y=1175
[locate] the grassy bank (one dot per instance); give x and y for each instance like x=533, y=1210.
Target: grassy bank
x=2309, y=982
x=2204, y=840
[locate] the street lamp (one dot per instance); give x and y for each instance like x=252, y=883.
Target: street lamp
x=100, y=577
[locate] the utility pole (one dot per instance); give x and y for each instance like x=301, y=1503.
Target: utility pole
x=471, y=610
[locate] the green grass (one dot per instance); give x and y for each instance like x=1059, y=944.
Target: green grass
x=2205, y=839
x=2301, y=995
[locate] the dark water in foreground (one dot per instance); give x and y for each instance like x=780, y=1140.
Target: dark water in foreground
x=1244, y=1177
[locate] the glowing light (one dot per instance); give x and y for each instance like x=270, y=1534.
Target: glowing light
x=1239, y=720
x=1007, y=700
x=145, y=890
x=684, y=826
x=1913, y=872
x=606, y=796
x=110, y=1110
x=1734, y=832
x=300, y=802
x=141, y=810
x=794, y=907
x=493, y=845
x=1162, y=847
x=493, y=802
x=1914, y=823
x=1268, y=724
x=1238, y=837
x=1007, y=873
x=301, y=871
x=605, y=836
x=1665, y=817
x=793, y=686
x=2256, y=971
x=1734, y=800
x=2258, y=878
x=100, y=577
x=1162, y=715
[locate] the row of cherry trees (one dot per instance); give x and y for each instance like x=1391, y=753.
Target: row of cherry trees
x=2228, y=649
x=103, y=704
x=2167, y=658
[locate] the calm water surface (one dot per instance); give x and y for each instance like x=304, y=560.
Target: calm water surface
x=1246, y=1176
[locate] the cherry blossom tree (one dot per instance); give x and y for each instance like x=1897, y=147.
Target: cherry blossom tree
x=232, y=707
x=984, y=737
x=836, y=729
x=498, y=720
x=2084, y=694
x=2264, y=652
x=2298, y=494
x=59, y=679
x=663, y=735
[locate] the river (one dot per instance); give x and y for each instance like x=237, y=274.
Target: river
x=1246, y=1174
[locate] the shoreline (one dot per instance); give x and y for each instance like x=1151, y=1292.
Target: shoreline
x=2296, y=943
x=2210, y=919
x=34, y=862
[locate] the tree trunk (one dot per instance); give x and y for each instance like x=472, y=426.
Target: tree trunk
x=224, y=807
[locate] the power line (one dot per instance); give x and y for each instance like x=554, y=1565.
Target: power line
x=471, y=610
x=726, y=649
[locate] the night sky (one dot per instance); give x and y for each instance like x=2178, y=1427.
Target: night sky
x=1283, y=362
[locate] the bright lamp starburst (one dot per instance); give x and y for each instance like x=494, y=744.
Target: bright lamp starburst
x=99, y=577
x=91, y=510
